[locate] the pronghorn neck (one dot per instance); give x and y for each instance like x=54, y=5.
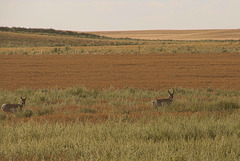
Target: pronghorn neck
x=23, y=101
x=23, y=104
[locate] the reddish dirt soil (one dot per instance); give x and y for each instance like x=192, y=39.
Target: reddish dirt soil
x=146, y=71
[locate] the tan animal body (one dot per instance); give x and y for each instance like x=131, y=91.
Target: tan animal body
x=163, y=101
x=13, y=107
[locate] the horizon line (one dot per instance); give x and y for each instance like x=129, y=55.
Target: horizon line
x=125, y=30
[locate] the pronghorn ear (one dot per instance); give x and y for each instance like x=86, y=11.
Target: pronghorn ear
x=21, y=97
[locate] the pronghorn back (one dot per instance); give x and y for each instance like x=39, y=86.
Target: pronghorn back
x=13, y=107
x=163, y=101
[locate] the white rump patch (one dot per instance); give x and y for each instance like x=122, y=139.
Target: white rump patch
x=3, y=107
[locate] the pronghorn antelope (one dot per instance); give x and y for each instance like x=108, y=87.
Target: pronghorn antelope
x=14, y=107
x=163, y=101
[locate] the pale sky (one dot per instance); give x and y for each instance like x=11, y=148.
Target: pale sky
x=106, y=15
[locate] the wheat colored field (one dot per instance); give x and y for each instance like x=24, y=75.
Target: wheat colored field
x=144, y=71
x=220, y=34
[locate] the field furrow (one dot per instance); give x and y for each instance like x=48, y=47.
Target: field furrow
x=145, y=71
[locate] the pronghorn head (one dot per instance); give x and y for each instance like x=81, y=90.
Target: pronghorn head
x=171, y=94
x=23, y=100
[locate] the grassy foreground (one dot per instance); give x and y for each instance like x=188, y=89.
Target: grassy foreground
x=201, y=124
x=163, y=138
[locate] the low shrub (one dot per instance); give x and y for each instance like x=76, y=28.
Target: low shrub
x=24, y=113
x=224, y=105
x=87, y=110
x=2, y=116
x=44, y=111
x=27, y=113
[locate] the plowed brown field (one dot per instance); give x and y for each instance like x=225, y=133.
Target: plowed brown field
x=152, y=71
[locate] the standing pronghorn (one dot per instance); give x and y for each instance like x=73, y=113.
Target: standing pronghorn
x=14, y=107
x=162, y=101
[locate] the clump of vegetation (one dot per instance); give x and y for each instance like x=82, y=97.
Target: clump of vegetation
x=3, y=116
x=87, y=110
x=45, y=111
x=23, y=113
x=225, y=105
x=27, y=113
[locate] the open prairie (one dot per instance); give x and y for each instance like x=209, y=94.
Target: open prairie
x=220, y=34
x=89, y=97
x=144, y=71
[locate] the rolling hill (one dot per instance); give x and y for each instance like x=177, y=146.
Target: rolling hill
x=214, y=34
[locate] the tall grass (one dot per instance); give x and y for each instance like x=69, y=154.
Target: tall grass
x=123, y=48
x=200, y=124
x=163, y=138
x=192, y=100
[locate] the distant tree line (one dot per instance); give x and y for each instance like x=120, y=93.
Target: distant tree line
x=50, y=31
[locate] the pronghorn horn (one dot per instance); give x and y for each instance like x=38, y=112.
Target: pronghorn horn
x=169, y=92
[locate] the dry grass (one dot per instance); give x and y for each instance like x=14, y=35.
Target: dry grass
x=163, y=138
x=81, y=104
x=120, y=124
